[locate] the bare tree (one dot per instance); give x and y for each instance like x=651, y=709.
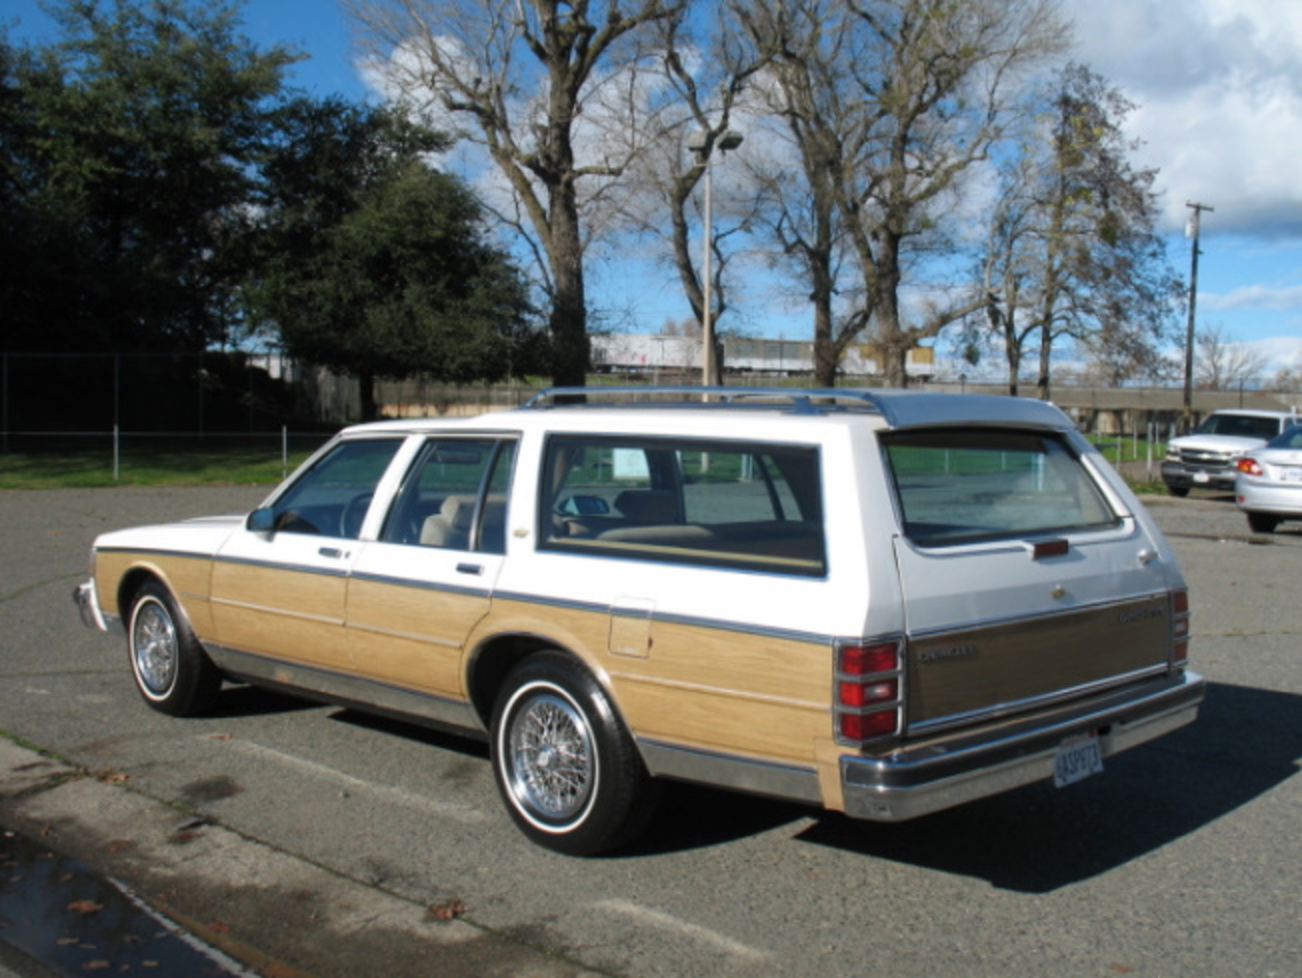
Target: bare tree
x=945, y=87
x=516, y=76
x=1073, y=253
x=1221, y=363
x=891, y=105
x=703, y=76
x=819, y=132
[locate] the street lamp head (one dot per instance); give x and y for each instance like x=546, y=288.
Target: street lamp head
x=699, y=141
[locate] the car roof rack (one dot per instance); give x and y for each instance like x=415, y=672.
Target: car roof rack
x=799, y=400
x=899, y=408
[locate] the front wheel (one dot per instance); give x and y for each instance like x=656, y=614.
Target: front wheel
x=564, y=763
x=171, y=671
x=1178, y=491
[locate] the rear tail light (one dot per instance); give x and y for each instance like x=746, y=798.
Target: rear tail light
x=1250, y=466
x=868, y=684
x=1179, y=627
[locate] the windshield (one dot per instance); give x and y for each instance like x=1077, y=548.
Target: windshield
x=1240, y=426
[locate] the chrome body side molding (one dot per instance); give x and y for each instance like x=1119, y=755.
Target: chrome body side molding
x=788, y=781
x=369, y=695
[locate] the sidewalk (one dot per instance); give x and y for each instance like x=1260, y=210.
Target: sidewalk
x=259, y=910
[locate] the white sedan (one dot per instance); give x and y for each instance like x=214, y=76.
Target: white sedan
x=1269, y=484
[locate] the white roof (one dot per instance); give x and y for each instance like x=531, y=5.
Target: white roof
x=659, y=408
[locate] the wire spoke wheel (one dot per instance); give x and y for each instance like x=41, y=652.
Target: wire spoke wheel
x=565, y=764
x=551, y=757
x=171, y=670
x=154, y=647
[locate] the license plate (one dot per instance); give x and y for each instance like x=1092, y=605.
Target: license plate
x=1076, y=759
x=1290, y=473
x=1202, y=477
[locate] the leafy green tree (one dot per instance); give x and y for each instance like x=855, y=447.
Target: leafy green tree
x=131, y=150
x=377, y=264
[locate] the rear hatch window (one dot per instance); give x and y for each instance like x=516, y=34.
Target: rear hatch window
x=968, y=485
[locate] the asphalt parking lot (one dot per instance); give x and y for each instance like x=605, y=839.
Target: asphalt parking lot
x=309, y=840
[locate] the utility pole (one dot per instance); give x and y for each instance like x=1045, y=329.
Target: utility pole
x=1194, y=224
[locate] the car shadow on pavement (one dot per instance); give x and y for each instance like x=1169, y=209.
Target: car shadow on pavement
x=1039, y=839
x=253, y=701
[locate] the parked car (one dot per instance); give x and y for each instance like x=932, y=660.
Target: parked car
x=1269, y=484
x=1206, y=458
x=884, y=604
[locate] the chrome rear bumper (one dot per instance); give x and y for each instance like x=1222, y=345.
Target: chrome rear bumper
x=940, y=774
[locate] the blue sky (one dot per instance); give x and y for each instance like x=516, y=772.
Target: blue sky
x=1218, y=85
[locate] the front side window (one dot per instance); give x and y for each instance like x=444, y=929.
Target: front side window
x=969, y=485
x=331, y=498
x=744, y=505
x=455, y=496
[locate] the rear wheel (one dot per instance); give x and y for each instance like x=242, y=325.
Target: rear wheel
x=565, y=765
x=1262, y=522
x=171, y=671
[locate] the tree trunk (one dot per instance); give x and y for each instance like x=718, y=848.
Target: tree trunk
x=1042, y=382
x=571, y=352
x=366, y=394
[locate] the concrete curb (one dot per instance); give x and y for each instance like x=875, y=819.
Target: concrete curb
x=277, y=914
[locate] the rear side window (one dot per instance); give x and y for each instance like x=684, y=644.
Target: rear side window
x=751, y=506
x=454, y=497
x=970, y=485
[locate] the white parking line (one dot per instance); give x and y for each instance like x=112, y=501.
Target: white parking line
x=667, y=922
x=385, y=793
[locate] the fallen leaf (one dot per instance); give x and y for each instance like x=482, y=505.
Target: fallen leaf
x=448, y=911
x=219, y=928
x=219, y=736
x=85, y=906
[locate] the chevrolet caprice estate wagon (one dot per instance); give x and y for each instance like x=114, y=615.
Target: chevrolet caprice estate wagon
x=884, y=604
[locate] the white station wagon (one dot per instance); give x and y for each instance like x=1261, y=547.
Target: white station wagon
x=881, y=603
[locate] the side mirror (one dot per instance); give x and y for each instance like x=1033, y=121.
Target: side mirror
x=261, y=521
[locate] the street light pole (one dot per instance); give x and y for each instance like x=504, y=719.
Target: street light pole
x=703, y=144
x=1194, y=224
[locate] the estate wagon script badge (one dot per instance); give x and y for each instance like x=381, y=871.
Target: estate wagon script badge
x=953, y=652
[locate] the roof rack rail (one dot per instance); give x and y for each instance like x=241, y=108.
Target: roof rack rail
x=801, y=400
x=898, y=408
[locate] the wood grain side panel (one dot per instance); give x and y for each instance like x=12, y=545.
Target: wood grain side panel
x=411, y=636
x=186, y=577
x=705, y=687
x=282, y=612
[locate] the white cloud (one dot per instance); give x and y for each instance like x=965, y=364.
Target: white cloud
x=1254, y=297
x=1219, y=89
x=1279, y=352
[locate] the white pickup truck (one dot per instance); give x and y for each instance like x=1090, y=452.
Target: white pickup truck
x=1205, y=459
